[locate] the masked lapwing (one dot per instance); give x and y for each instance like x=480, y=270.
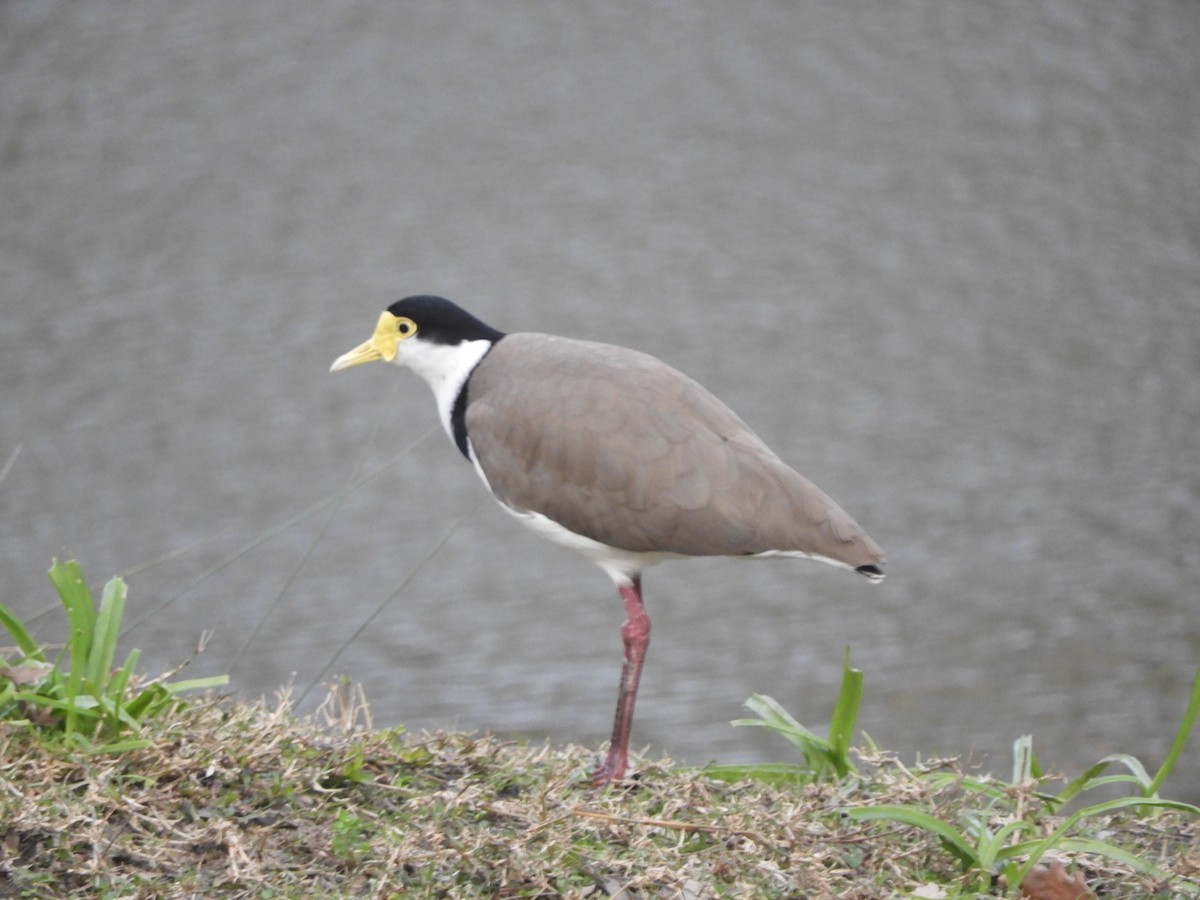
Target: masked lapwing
x=614, y=454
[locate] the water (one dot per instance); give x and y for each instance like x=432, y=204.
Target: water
x=943, y=257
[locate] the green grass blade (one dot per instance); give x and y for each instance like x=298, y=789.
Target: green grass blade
x=1080, y=783
x=1120, y=778
x=1181, y=737
x=83, y=707
x=119, y=685
x=25, y=642
x=122, y=718
x=954, y=840
x=197, y=684
x=73, y=591
x=1091, y=777
x=149, y=701
x=90, y=699
x=956, y=781
x=1125, y=802
x=119, y=746
x=1134, y=765
x=1135, y=862
x=775, y=717
x=845, y=715
x=826, y=758
x=1023, y=761
x=816, y=751
x=104, y=637
x=990, y=847
x=1037, y=849
x=768, y=773
x=81, y=618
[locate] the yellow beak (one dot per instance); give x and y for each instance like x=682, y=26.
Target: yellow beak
x=382, y=345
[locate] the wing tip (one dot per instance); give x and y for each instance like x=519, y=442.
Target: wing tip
x=872, y=573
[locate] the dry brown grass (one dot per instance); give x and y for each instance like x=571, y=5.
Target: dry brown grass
x=246, y=800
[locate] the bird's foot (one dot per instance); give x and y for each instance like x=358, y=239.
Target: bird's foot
x=611, y=771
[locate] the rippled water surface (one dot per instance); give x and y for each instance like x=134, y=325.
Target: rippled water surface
x=943, y=257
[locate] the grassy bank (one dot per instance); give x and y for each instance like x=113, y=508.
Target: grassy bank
x=245, y=800
x=113, y=786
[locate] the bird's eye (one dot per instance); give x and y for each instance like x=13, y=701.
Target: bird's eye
x=406, y=327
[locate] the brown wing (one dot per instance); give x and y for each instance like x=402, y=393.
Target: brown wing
x=621, y=448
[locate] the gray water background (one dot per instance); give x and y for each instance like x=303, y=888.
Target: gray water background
x=943, y=256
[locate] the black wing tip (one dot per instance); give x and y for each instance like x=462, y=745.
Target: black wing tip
x=871, y=573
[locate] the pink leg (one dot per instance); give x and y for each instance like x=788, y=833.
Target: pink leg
x=636, y=635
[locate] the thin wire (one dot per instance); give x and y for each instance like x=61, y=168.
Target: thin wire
x=313, y=543
x=170, y=554
x=12, y=458
x=379, y=609
x=140, y=567
x=278, y=529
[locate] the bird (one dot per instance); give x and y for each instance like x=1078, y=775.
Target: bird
x=614, y=454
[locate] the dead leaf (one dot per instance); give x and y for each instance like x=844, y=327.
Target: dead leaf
x=1054, y=883
x=31, y=673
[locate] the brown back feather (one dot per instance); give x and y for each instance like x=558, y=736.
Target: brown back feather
x=619, y=447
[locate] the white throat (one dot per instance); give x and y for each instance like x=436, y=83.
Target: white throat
x=445, y=368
